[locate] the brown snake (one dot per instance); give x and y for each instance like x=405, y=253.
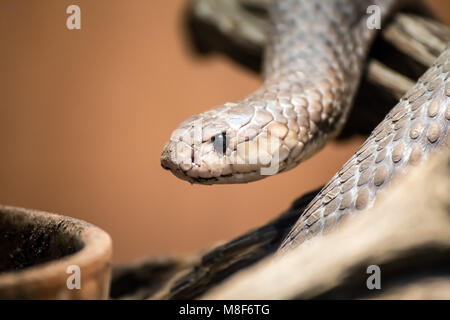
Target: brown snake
x=312, y=68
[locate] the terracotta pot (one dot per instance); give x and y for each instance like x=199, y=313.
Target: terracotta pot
x=40, y=254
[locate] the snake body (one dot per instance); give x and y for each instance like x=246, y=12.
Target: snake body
x=415, y=127
x=312, y=67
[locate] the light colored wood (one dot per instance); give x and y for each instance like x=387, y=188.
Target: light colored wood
x=397, y=232
x=420, y=38
x=387, y=78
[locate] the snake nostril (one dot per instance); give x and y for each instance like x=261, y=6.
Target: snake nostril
x=220, y=143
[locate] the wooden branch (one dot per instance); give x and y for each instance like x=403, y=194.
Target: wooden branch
x=385, y=77
x=181, y=278
x=143, y=279
x=408, y=237
x=239, y=253
x=420, y=38
x=434, y=287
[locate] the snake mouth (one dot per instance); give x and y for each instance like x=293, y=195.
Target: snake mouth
x=223, y=179
x=232, y=178
x=177, y=172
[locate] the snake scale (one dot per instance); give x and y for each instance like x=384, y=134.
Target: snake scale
x=312, y=68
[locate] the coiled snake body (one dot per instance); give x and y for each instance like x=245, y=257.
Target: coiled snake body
x=312, y=67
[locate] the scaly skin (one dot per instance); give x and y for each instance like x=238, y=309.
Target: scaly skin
x=313, y=62
x=417, y=126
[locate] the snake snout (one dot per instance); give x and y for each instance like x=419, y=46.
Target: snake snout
x=176, y=156
x=176, y=162
x=165, y=159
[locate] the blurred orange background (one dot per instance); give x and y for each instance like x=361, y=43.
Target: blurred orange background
x=84, y=115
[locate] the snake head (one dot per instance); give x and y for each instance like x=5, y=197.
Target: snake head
x=231, y=143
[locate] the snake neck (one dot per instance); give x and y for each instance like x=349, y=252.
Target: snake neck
x=312, y=67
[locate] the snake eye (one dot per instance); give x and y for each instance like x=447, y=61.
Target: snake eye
x=220, y=143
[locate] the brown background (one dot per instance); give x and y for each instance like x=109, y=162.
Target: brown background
x=85, y=114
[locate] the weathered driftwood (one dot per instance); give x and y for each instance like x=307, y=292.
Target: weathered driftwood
x=406, y=234
x=418, y=37
x=187, y=278
x=239, y=253
x=143, y=279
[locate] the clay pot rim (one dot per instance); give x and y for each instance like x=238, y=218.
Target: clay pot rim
x=92, y=258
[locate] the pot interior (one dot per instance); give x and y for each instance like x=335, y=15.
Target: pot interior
x=26, y=240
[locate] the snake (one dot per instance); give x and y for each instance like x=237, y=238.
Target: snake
x=313, y=63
